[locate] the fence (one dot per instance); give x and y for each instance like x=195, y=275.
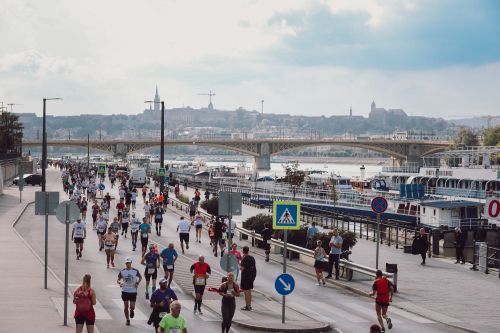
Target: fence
x=486, y=258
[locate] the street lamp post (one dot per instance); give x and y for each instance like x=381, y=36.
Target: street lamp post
x=44, y=182
x=162, y=143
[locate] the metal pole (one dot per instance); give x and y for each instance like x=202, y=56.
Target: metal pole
x=88, y=153
x=162, y=148
x=229, y=240
x=285, y=236
x=44, y=163
x=66, y=267
x=21, y=180
x=378, y=238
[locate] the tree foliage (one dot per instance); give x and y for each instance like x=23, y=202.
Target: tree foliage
x=466, y=137
x=211, y=206
x=334, y=196
x=293, y=176
x=11, y=133
x=492, y=136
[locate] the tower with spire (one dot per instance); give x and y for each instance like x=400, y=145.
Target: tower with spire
x=157, y=102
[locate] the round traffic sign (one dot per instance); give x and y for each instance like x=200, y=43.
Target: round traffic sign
x=379, y=205
x=73, y=212
x=284, y=284
x=102, y=187
x=233, y=262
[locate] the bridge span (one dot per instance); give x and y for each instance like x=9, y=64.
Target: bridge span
x=261, y=149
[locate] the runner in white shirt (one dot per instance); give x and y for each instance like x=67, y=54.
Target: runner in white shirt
x=183, y=228
x=78, y=234
x=146, y=208
x=101, y=226
x=134, y=230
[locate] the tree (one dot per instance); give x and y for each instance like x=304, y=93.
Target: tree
x=294, y=177
x=334, y=196
x=466, y=137
x=492, y=136
x=11, y=133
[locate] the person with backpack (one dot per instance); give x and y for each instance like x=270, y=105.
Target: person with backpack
x=384, y=289
x=84, y=299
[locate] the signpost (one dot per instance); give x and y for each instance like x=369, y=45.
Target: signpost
x=45, y=204
x=67, y=212
x=229, y=205
x=379, y=205
x=101, y=187
x=20, y=182
x=284, y=284
x=286, y=216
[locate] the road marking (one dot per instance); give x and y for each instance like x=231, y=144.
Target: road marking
x=207, y=315
x=336, y=312
x=139, y=315
x=429, y=313
x=100, y=312
x=310, y=313
x=404, y=314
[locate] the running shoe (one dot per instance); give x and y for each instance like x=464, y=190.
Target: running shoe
x=389, y=323
x=127, y=322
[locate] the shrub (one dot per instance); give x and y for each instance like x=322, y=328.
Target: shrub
x=211, y=206
x=183, y=198
x=349, y=239
x=257, y=222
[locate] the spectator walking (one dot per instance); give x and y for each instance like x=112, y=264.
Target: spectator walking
x=420, y=245
x=459, y=246
x=229, y=290
x=319, y=257
x=248, y=275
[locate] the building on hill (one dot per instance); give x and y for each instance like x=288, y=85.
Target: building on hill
x=387, y=118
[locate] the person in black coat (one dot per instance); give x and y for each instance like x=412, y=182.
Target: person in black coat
x=421, y=245
x=459, y=245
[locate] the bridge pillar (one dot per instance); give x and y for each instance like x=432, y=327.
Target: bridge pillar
x=263, y=161
x=120, y=150
x=414, y=154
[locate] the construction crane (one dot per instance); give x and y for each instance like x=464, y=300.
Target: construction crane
x=210, y=94
x=12, y=104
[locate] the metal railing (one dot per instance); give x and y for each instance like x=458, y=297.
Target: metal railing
x=486, y=258
x=345, y=264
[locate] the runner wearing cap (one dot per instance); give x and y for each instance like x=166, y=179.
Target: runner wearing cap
x=152, y=262
x=160, y=302
x=78, y=234
x=129, y=279
x=169, y=256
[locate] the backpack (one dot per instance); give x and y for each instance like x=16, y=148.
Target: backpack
x=83, y=302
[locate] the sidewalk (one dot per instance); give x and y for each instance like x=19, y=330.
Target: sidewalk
x=442, y=291
x=26, y=306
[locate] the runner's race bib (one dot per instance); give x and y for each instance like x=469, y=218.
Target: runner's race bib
x=175, y=330
x=151, y=270
x=199, y=281
x=170, y=266
x=144, y=235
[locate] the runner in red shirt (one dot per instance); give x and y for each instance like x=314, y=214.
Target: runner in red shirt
x=384, y=290
x=120, y=207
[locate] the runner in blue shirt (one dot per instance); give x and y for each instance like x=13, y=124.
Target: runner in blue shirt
x=144, y=231
x=169, y=256
x=152, y=262
x=160, y=302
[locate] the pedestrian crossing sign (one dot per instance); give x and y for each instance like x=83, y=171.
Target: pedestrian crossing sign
x=286, y=215
x=161, y=172
x=101, y=169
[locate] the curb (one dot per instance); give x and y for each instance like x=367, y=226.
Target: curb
x=325, y=328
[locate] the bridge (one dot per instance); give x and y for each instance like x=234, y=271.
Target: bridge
x=262, y=149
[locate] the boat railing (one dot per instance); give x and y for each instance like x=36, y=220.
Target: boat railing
x=402, y=169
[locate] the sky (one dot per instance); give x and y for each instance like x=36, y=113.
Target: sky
x=302, y=57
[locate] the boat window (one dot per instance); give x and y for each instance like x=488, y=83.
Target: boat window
x=424, y=210
x=434, y=212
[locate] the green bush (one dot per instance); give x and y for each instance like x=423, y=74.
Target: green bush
x=211, y=206
x=257, y=222
x=183, y=198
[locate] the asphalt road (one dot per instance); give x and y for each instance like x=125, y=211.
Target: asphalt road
x=344, y=310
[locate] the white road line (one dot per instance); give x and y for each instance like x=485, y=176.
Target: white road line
x=310, y=313
x=429, y=313
x=207, y=315
x=336, y=312
x=139, y=315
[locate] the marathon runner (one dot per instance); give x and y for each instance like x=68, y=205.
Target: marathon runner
x=384, y=289
x=78, y=234
x=109, y=239
x=158, y=219
x=115, y=226
x=152, y=262
x=169, y=256
x=120, y=207
x=101, y=227
x=218, y=237
x=129, y=279
x=183, y=228
x=160, y=302
x=125, y=221
x=198, y=224
x=134, y=230
x=173, y=322
x=95, y=211
x=144, y=231
x=201, y=272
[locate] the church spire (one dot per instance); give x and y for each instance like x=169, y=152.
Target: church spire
x=157, y=100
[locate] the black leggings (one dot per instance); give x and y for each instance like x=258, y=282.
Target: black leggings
x=227, y=308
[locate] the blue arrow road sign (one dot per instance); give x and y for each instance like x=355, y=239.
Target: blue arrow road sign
x=284, y=284
x=379, y=205
x=102, y=186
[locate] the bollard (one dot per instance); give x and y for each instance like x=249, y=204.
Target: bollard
x=389, y=238
x=366, y=226
x=397, y=236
